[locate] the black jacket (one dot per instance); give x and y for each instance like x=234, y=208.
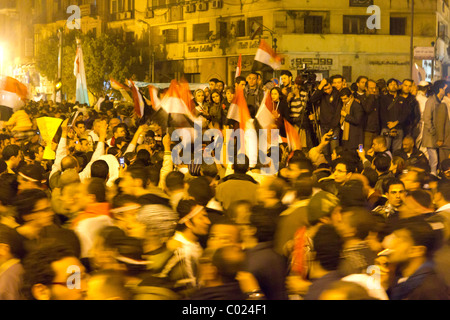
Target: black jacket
x=330, y=108
x=355, y=119
x=371, y=118
x=393, y=109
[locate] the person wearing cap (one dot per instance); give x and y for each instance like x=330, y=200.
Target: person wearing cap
x=429, y=139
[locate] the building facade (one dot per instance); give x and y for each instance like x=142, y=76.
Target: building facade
x=202, y=39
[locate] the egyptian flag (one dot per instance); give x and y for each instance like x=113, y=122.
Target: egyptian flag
x=138, y=101
x=264, y=115
x=174, y=104
x=155, y=101
x=266, y=58
x=13, y=93
x=186, y=94
x=239, y=66
x=239, y=112
x=292, y=136
x=80, y=75
x=123, y=89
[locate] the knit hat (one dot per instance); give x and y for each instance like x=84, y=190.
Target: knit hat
x=159, y=219
x=321, y=205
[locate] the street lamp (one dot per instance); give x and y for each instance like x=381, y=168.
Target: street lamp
x=151, y=52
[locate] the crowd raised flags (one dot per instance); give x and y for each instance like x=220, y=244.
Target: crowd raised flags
x=79, y=72
x=266, y=59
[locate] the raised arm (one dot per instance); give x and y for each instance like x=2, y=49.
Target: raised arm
x=61, y=150
x=99, y=151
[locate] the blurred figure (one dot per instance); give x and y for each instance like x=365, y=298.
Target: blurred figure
x=182, y=266
x=328, y=246
x=345, y=290
x=11, y=269
x=355, y=227
x=411, y=249
x=217, y=275
x=37, y=223
x=267, y=266
x=46, y=275
x=107, y=285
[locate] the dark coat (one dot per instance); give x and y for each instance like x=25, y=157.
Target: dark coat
x=393, y=109
x=355, y=119
x=330, y=108
x=424, y=284
x=269, y=268
x=371, y=118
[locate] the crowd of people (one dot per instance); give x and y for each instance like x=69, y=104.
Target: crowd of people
x=360, y=212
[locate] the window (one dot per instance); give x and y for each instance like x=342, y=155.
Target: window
x=398, y=26
x=360, y=3
x=347, y=73
x=158, y=3
x=254, y=24
x=357, y=25
x=200, y=31
x=171, y=35
x=313, y=24
x=442, y=30
x=192, y=77
x=280, y=19
x=114, y=6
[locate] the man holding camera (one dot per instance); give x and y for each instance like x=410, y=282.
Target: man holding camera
x=393, y=113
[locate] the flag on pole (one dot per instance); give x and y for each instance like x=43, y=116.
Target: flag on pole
x=292, y=136
x=264, y=115
x=266, y=59
x=239, y=66
x=186, y=94
x=174, y=101
x=12, y=93
x=156, y=102
x=81, y=84
x=138, y=101
x=239, y=112
x=116, y=85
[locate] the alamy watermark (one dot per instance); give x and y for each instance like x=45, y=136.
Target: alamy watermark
x=374, y=21
x=74, y=21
